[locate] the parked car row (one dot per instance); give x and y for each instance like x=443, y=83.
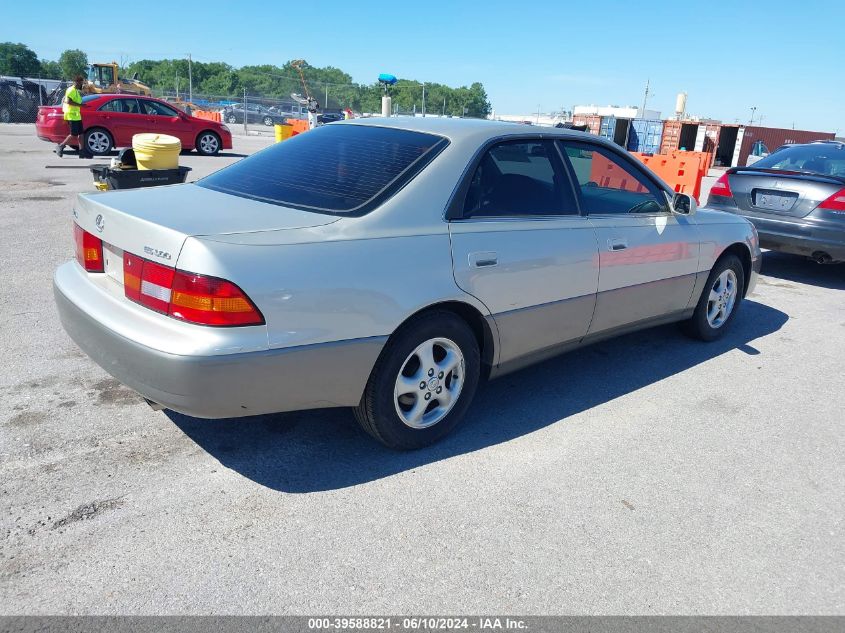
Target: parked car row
x=110, y=121
x=389, y=266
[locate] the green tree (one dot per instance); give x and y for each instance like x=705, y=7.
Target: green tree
x=73, y=62
x=50, y=69
x=18, y=60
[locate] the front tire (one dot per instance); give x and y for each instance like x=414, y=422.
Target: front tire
x=98, y=141
x=719, y=300
x=232, y=119
x=208, y=144
x=268, y=121
x=422, y=383
x=5, y=114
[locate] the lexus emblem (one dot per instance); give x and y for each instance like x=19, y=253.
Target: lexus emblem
x=100, y=223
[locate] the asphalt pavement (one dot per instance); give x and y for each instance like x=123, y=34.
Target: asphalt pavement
x=651, y=474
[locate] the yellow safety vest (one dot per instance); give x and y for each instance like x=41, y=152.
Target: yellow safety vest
x=71, y=111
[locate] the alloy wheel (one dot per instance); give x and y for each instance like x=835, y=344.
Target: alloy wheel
x=208, y=144
x=98, y=142
x=429, y=383
x=722, y=299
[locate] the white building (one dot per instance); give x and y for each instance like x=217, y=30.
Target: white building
x=620, y=112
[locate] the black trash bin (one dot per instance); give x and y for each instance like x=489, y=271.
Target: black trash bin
x=106, y=177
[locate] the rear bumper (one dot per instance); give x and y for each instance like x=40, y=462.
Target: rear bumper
x=804, y=244
x=799, y=236
x=56, y=132
x=221, y=385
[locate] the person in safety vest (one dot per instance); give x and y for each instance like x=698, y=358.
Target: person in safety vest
x=73, y=115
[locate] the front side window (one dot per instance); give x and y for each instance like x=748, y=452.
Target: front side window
x=608, y=185
x=519, y=178
x=158, y=109
x=338, y=169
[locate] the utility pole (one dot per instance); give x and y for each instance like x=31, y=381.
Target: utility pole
x=645, y=97
x=177, y=84
x=753, y=110
x=423, y=103
x=245, y=130
x=538, y=115
x=190, y=81
x=444, y=106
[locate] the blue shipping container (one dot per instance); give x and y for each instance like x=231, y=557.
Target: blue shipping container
x=608, y=127
x=645, y=135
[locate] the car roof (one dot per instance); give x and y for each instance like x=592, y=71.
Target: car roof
x=457, y=129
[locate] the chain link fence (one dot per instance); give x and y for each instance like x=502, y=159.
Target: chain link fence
x=20, y=97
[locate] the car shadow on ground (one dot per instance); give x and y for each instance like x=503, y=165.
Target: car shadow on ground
x=802, y=270
x=322, y=450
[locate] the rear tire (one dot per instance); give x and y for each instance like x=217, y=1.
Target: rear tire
x=719, y=300
x=268, y=121
x=422, y=383
x=232, y=119
x=98, y=141
x=5, y=115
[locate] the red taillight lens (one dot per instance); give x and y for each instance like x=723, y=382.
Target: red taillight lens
x=155, y=286
x=836, y=202
x=211, y=301
x=186, y=296
x=89, y=250
x=722, y=187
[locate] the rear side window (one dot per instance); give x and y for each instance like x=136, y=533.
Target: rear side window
x=519, y=178
x=128, y=106
x=338, y=169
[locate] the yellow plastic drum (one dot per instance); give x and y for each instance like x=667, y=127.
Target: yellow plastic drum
x=156, y=151
x=283, y=132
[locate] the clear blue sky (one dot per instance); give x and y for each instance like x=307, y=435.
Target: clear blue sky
x=785, y=58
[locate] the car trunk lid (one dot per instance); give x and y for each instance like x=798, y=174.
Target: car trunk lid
x=154, y=223
x=761, y=192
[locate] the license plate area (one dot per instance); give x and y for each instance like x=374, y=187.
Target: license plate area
x=773, y=199
x=113, y=263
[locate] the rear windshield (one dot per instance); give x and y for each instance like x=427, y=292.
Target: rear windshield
x=338, y=169
x=818, y=158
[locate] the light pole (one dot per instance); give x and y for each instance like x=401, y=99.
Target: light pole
x=753, y=110
x=190, y=81
x=423, y=103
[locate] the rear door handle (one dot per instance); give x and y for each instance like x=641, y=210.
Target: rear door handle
x=483, y=259
x=617, y=244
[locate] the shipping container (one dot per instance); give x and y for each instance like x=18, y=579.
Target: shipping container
x=645, y=135
x=678, y=135
x=592, y=121
x=760, y=141
x=726, y=145
x=615, y=129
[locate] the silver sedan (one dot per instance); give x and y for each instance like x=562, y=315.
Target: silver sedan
x=390, y=265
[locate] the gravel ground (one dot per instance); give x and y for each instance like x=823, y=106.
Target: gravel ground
x=646, y=475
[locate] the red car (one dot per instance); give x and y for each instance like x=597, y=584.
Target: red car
x=112, y=120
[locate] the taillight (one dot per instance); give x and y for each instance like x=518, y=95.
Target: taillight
x=722, y=187
x=89, y=250
x=836, y=202
x=187, y=296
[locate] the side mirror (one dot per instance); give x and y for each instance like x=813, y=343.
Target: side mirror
x=684, y=204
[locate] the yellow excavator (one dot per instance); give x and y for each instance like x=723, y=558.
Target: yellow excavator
x=103, y=78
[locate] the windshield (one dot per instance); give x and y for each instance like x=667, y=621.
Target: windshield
x=337, y=169
x=816, y=158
